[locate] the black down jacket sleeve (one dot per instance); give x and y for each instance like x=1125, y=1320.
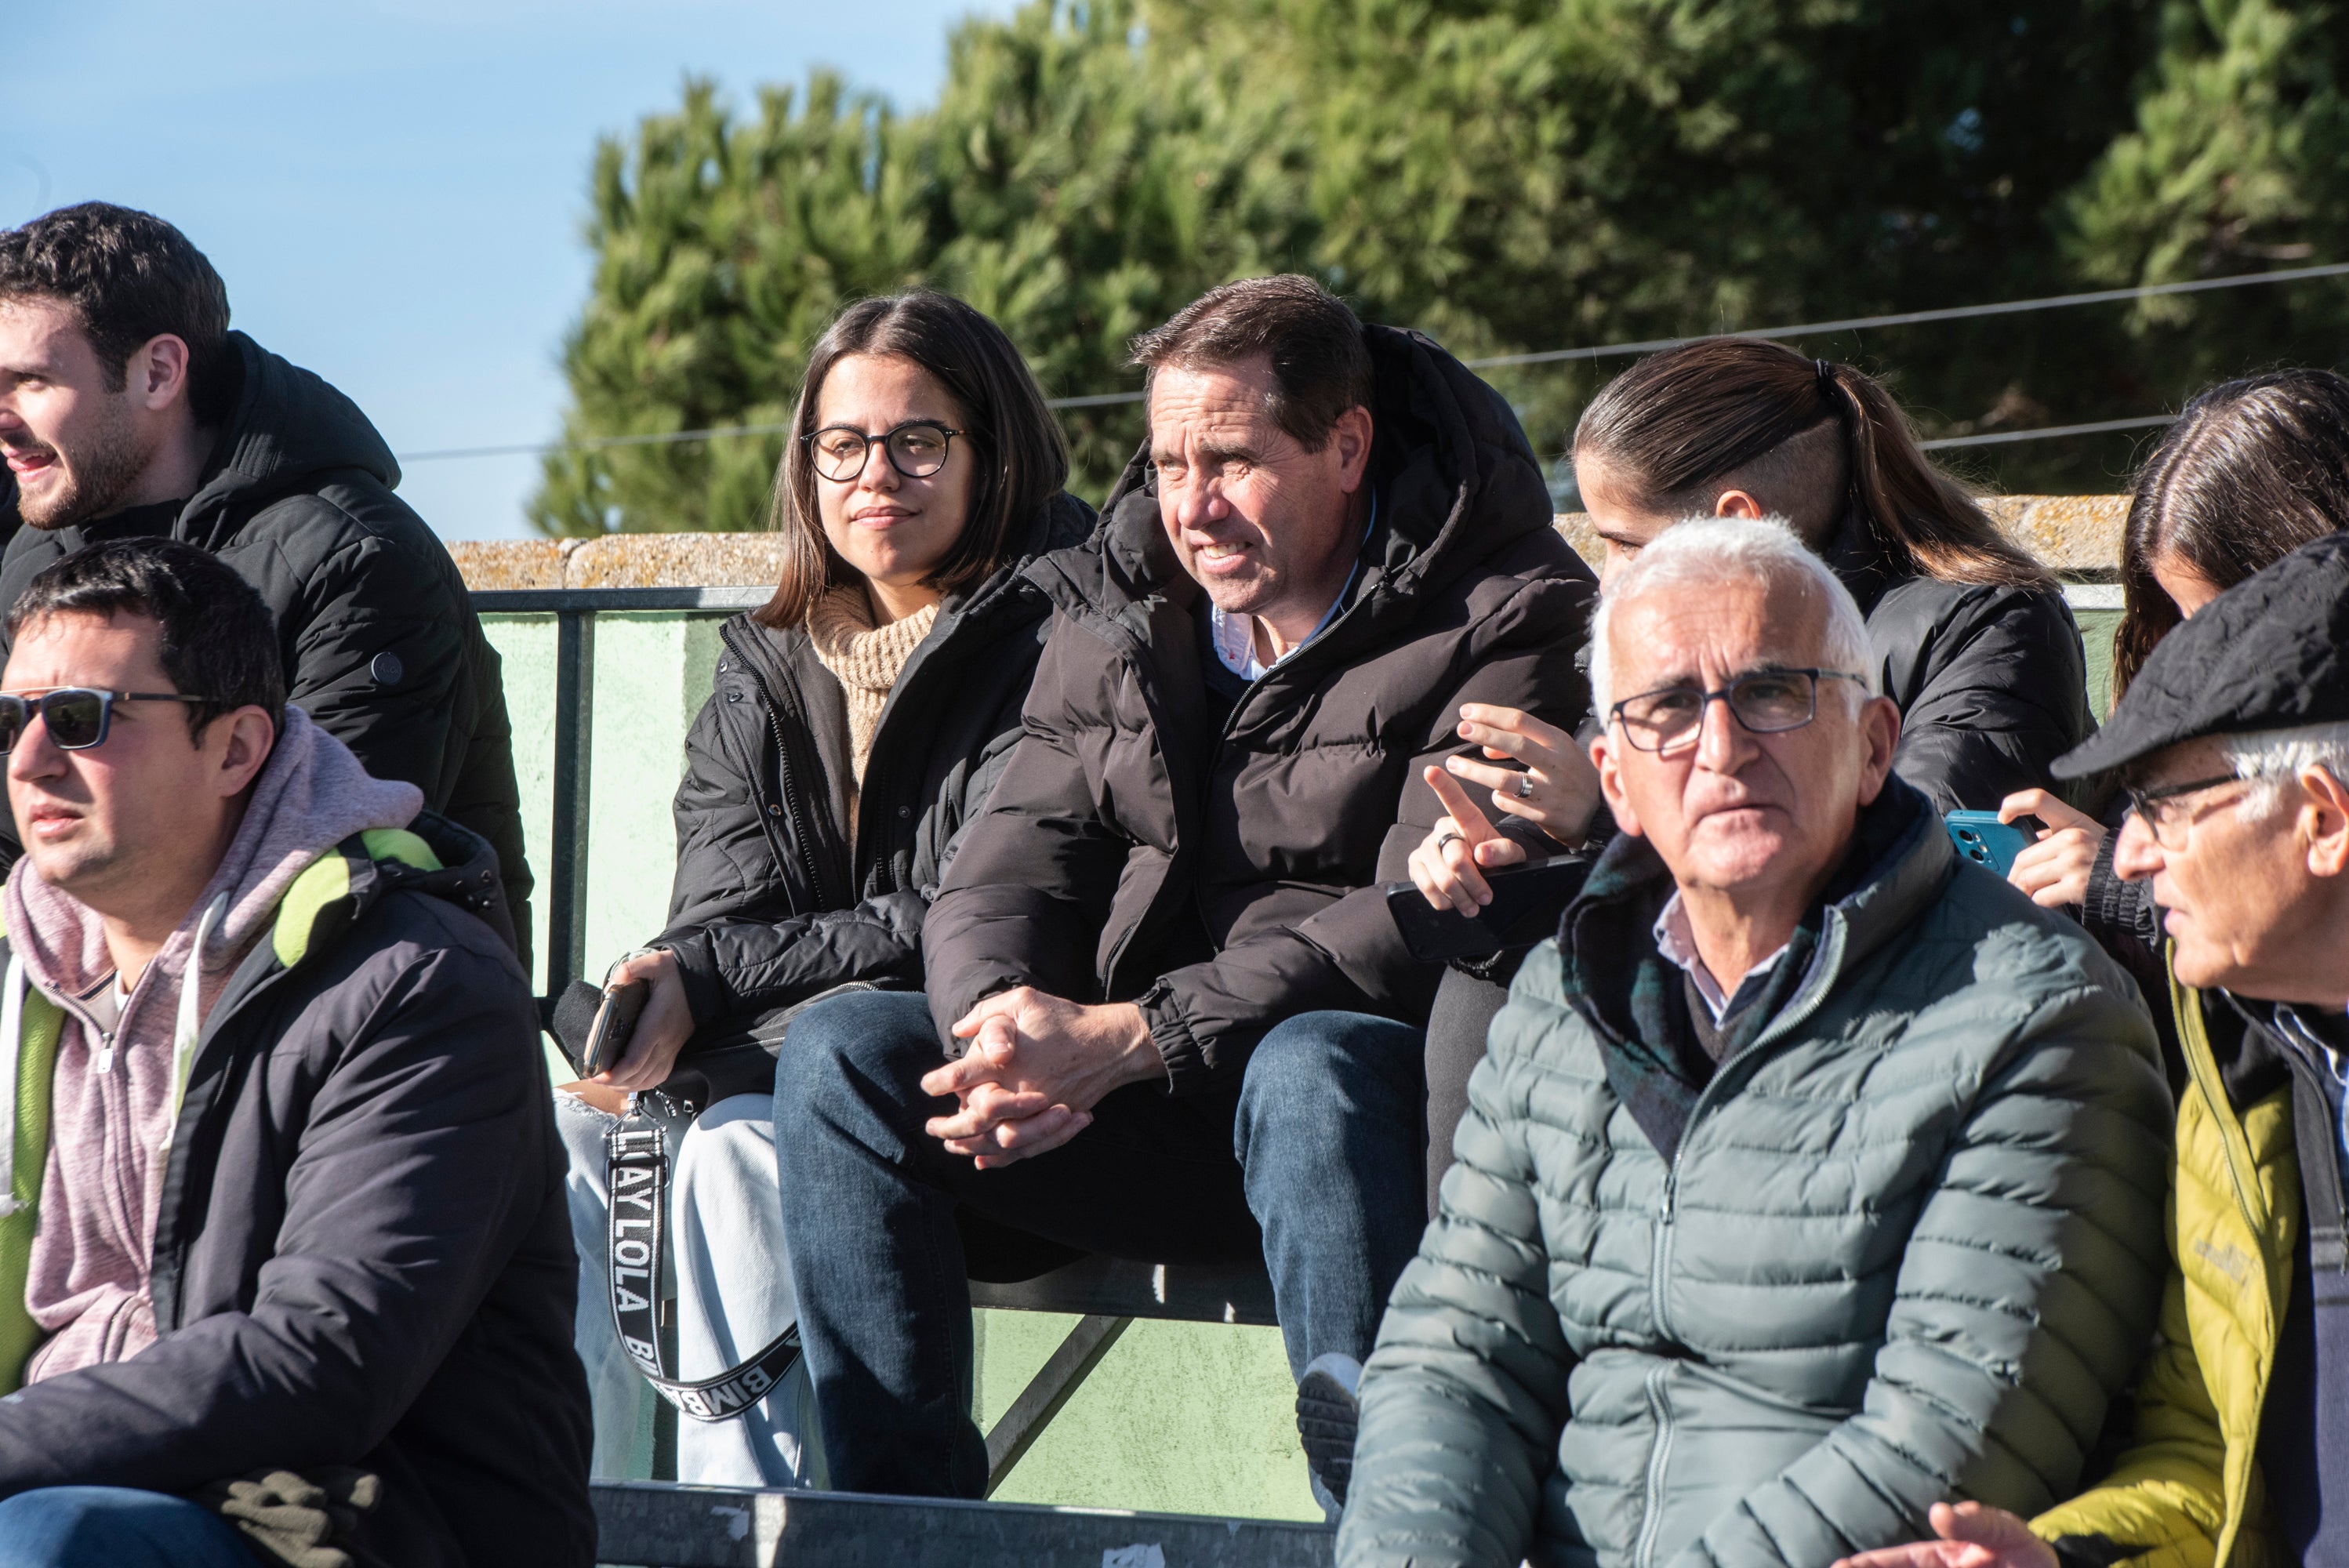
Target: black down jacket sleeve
x=1991, y=684
x=1349, y=956
x=380, y=659
x=741, y=948
x=1037, y=884
x=419, y=1171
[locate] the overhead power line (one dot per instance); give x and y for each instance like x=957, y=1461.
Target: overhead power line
x=2093, y=427
x=1917, y=317
x=1602, y=351
x=594, y=443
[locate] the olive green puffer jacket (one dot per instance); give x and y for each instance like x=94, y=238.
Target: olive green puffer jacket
x=1908, y=1248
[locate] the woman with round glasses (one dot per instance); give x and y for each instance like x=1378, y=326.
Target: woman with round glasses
x=855, y=726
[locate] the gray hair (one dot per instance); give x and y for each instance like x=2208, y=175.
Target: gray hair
x=1702, y=552
x=2270, y=757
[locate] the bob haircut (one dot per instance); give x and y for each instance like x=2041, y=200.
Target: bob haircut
x=1022, y=458
x=2251, y=470
x=1692, y=417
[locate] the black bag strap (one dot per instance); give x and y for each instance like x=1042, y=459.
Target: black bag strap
x=636, y=1170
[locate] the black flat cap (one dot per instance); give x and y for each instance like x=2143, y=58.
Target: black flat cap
x=2271, y=653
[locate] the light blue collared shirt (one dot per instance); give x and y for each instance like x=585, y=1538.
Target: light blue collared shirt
x=1676, y=940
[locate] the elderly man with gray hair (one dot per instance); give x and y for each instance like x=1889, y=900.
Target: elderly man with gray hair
x=1814, y=1174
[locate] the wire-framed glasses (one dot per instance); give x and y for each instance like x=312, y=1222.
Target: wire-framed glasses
x=2158, y=807
x=1766, y=702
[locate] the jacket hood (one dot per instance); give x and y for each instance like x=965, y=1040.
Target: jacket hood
x=310, y=795
x=289, y=425
x=1456, y=480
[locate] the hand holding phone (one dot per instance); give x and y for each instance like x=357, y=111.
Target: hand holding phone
x=1982, y=839
x=615, y=1022
x=1528, y=899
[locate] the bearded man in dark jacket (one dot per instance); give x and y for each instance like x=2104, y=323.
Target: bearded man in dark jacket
x=286, y=1269
x=128, y=408
x=1183, y=1025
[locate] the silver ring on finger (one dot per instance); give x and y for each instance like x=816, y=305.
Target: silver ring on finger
x=1526, y=785
x=1449, y=839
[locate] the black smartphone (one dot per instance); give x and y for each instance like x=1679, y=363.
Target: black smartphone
x=615, y=1021
x=1527, y=901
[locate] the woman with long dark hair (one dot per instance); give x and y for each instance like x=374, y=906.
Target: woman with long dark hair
x=856, y=726
x=1970, y=635
x=2251, y=470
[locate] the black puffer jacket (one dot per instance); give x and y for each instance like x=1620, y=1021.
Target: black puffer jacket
x=771, y=904
x=363, y=1253
x=380, y=642
x=1991, y=682
x=1226, y=876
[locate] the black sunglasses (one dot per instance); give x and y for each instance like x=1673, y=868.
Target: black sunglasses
x=77, y=716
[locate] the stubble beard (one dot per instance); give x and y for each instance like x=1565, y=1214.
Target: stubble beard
x=97, y=475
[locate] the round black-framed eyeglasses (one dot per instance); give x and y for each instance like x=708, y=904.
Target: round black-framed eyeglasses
x=917, y=450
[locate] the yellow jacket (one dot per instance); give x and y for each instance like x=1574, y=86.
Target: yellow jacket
x=2188, y=1493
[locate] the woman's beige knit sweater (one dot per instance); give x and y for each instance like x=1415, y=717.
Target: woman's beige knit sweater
x=865, y=660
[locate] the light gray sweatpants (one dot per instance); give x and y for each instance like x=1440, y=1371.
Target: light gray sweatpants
x=733, y=1295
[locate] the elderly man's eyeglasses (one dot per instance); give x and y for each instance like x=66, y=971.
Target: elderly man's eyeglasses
x=1767, y=702
x=77, y=716
x=2159, y=805
x=916, y=448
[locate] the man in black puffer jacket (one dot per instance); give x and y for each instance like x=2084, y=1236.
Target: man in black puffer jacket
x=1183, y=1008
x=128, y=409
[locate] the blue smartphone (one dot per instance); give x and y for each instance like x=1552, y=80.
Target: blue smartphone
x=1982, y=839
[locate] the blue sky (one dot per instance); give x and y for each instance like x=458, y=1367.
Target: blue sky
x=393, y=189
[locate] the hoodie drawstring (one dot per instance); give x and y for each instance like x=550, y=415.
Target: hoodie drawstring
x=189, y=1026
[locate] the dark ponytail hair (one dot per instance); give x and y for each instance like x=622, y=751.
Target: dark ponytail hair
x=1700, y=413
x=2251, y=470
x=1023, y=459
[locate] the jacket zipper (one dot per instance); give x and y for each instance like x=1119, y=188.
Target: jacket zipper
x=797, y=799
x=1660, y=1262
x=1661, y=1255
x=1659, y=1453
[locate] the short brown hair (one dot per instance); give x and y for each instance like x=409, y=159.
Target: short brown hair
x=1023, y=459
x=129, y=278
x=1320, y=365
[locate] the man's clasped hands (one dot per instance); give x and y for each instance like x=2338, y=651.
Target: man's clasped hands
x=1034, y=1068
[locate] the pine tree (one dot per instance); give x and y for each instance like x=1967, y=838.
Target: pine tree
x=2235, y=163
x=1510, y=175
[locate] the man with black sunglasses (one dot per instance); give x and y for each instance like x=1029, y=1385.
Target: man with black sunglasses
x=2234, y=742
x=128, y=409
x=1812, y=1173
x=285, y=1266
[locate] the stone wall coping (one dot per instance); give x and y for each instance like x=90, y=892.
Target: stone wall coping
x=2077, y=536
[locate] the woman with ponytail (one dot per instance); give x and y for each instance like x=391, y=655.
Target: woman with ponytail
x=1970, y=635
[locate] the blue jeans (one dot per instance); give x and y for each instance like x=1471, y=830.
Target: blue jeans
x=1313, y=1164
x=115, y=1527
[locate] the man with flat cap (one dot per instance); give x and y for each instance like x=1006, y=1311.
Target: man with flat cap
x=2234, y=743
